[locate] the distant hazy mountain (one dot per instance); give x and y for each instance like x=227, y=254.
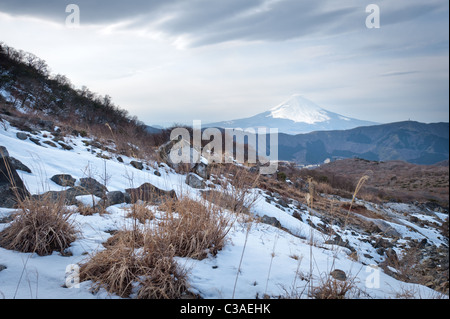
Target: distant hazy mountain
x=294, y=116
x=408, y=141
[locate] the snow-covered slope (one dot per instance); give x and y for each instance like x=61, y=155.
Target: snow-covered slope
x=296, y=115
x=275, y=261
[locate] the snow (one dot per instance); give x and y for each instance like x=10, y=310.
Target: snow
x=300, y=110
x=275, y=262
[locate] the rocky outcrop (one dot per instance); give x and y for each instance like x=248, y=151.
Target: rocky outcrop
x=174, y=149
x=150, y=193
x=93, y=187
x=117, y=197
x=195, y=181
x=12, y=188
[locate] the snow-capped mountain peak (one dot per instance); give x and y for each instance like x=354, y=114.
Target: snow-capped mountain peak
x=296, y=115
x=300, y=110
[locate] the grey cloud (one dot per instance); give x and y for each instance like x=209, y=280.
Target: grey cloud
x=398, y=73
x=208, y=22
x=284, y=20
x=92, y=12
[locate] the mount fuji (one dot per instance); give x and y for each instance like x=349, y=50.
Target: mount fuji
x=296, y=115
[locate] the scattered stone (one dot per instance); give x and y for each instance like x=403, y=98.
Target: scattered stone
x=338, y=275
x=65, y=146
x=12, y=187
x=35, y=141
x=18, y=165
x=386, y=229
x=201, y=169
x=137, y=165
x=150, y=193
x=63, y=180
x=21, y=136
x=176, y=148
x=2, y=267
x=337, y=240
x=195, y=181
x=93, y=187
x=157, y=173
x=117, y=197
x=50, y=143
x=271, y=221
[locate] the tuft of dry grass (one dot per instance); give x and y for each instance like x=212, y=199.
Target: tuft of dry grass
x=193, y=228
x=114, y=269
x=140, y=262
x=333, y=289
x=41, y=226
x=140, y=212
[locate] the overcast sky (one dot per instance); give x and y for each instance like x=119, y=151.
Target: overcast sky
x=172, y=61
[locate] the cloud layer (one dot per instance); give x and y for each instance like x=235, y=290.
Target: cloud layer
x=222, y=59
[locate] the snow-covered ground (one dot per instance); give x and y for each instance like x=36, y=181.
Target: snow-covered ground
x=258, y=259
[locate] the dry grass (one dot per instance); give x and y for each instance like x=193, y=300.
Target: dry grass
x=140, y=212
x=41, y=226
x=140, y=262
x=136, y=264
x=331, y=288
x=194, y=229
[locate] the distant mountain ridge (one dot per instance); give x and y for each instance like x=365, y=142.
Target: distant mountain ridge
x=409, y=141
x=296, y=115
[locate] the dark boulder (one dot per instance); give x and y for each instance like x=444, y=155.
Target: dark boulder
x=150, y=193
x=12, y=188
x=63, y=179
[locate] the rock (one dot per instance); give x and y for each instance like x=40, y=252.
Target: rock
x=171, y=153
x=21, y=136
x=2, y=267
x=3, y=152
x=18, y=165
x=150, y=193
x=201, y=169
x=117, y=197
x=157, y=173
x=35, y=140
x=387, y=229
x=271, y=221
x=137, y=165
x=382, y=243
x=337, y=240
x=93, y=187
x=12, y=187
x=50, y=143
x=65, y=146
x=63, y=179
x=68, y=196
x=338, y=275
x=283, y=203
x=195, y=181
